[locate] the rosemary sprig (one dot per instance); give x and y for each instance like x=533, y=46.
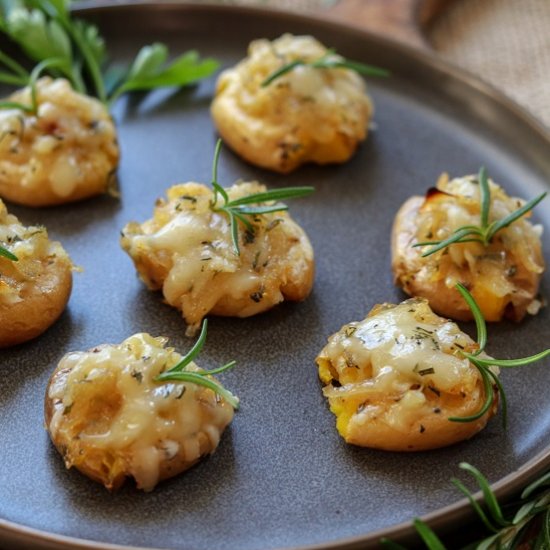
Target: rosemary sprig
x=250, y=205
x=201, y=377
x=485, y=232
x=507, y=527
x=46, y=30
x=328, y=61
x=428, y=536
x=7, y=254
x=490, y=379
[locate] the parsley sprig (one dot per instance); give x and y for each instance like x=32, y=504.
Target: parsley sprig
x=327, y=61
x=201, y=377
x=525, y=521
x=484, y=232
x=7, y=254
x=250, y=205
x=48, y=34
x=490, y=379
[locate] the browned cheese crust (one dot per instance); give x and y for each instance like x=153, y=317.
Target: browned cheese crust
x=503, y=277
x=109, y=419
x=187, y=251
x=67, y=152
x=394, y=379
x=35, y=289
x=307, y=115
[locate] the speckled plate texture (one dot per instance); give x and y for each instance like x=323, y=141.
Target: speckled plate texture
x=281, y=477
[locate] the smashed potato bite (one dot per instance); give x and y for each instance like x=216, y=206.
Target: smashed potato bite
x=35, y=288
x=503, y=276
x=307, y=115
x=66, y=152
x=394, y=379
x=186, y=250
x=109, y=418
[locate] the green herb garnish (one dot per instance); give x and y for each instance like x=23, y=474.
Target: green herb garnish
x=238, y=209
x=201, y=377
x=524, y=523
x=7, y=254
x=490, y=379
x=509, y=525
x=31, y=80
x=485, y=232
x=428, y=536
x=150, y=70
x=74, y=49
x=328, y=61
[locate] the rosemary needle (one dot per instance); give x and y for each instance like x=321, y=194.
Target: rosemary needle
x=489, y=378
x=484, y=232
x=523, y=523
x=238, y=210
x=328, y=61
x=200, y=377
x=7, y=254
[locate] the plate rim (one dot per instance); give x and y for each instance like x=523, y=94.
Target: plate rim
x=440, y=519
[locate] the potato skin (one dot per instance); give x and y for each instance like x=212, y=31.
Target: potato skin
x=44, y=300
x=67, y=153
x=429, y=432
x=121, y=423
x=513, y=260
x=407, y=267
x=34, y=290
x=307, y=115
x=95, y=464
x=397, y=398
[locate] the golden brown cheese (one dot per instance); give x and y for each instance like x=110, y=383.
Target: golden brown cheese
x=35, y=289
x=110, y=419
x=395, y=378
x=307, y=115
x=503, y=277
x=67, y=152
x=186, y=250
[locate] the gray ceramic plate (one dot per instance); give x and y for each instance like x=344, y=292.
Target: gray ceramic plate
x=282, y=477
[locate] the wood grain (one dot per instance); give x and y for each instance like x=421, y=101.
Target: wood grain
x=403, y=20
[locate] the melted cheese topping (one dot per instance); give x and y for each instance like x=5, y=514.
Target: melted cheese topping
x=506, y=269
x=69, y=150
x=187, y=250
x=308, y=114
x=108, y=405
x=398, y=363
x=34, y=251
